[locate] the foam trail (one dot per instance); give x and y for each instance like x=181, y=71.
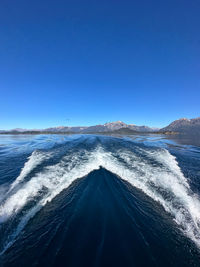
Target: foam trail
x=54, y=178
x=163, y=175
x=35, y=159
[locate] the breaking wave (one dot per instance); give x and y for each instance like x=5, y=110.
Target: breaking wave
x=153, y=170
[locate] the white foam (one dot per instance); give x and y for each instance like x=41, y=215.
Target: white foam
x=36, y=158
x=179, y=200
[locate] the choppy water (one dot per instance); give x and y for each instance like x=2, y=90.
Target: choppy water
x=86, y=200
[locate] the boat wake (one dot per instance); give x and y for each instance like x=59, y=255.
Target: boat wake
x=153, y=170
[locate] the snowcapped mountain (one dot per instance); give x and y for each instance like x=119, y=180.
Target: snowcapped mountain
x=184, y=125
x=107, y=127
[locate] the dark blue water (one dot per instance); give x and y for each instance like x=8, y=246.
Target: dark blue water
x=86, y=200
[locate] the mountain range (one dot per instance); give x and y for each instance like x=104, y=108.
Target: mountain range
x=107, y=127
x=184, y=125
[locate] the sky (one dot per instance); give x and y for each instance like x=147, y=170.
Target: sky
x=76, y=62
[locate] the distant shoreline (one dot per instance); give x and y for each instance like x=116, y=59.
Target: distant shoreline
x=71, y=133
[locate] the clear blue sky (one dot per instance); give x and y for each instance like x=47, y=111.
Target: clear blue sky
x=87, y=62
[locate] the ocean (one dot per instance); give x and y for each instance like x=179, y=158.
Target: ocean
x=97, y=200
